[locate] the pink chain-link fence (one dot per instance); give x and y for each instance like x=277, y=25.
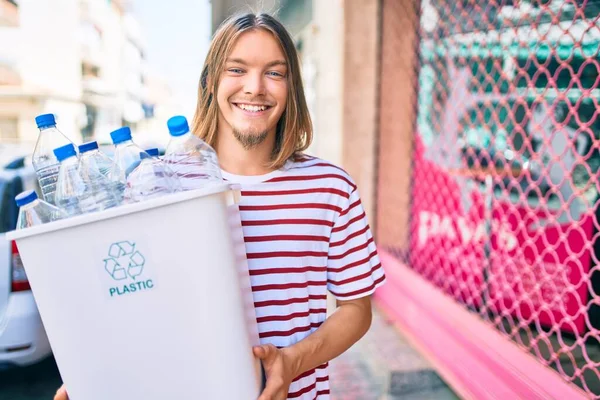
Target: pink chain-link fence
x=505, y=194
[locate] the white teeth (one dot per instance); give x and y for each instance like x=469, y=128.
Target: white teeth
x=248, y=107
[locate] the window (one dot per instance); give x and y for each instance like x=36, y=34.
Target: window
x=9, y=128
x=89, y=71
x=87, y=132
x=9, y=212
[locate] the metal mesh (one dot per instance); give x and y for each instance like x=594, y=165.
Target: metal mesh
x=504, y=214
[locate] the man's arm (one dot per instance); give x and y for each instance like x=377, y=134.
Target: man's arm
x=339, y=332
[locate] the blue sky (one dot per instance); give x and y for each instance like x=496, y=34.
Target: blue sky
x=177, y=34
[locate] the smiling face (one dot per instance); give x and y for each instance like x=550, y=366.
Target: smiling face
x=251, y=95
x=253, y=88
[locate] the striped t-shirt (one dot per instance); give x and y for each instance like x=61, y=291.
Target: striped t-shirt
x=305, y=232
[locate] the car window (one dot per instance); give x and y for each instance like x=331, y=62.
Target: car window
x=9, y=188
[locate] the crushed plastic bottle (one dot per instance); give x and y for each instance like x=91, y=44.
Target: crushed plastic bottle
x=90, y=153
x=153, y=152
x=91, y=158
x=192, y=160
x=125, y=160
x=81, y=189
x=34, y=211
x=152, y=178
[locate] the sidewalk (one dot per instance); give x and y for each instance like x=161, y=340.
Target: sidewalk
x=383, y=366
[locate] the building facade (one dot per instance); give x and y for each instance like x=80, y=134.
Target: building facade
x=82, y=60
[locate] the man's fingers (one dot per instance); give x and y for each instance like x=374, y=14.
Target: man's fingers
x=258, y=352
x=271, y=389
x=61, y=394
x=265, y=396
x=264, y=351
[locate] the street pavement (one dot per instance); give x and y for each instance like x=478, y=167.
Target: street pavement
x=381, y=366
x=37, y=382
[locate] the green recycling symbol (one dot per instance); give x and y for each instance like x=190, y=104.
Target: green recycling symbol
x=123, y=261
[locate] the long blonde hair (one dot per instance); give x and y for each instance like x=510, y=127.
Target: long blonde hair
x=294, y=129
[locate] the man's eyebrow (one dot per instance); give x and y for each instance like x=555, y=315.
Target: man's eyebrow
x=237, y=61
x=271, y=64
x=277, y=63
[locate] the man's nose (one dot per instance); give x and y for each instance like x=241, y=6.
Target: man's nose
x=254, y=84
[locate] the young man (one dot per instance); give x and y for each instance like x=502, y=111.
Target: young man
x=304, y=226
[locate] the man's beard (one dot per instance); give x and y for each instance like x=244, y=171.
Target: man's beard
x=250, y=140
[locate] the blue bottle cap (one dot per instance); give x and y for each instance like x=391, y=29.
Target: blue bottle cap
x=121, y=135
x=89, y=146
x=25, y=197
x=152, y=152
x=45, y=120
x=64, y=152
x=178, y=125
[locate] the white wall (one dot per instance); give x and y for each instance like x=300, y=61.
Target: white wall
x=45, y=50
x=46, y=46
x=322, y=72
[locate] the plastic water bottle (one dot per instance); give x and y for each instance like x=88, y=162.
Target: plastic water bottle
x=96, y=168
x=125, y=159
x=44, y=161
x=34, y=211
x=194, y=162
x=153, y=152
x=93, y=159
x=151, y=179
x=80, y=189
x=90, y=154
x=72, y=192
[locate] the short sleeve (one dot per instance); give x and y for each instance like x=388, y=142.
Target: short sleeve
x=353, y=266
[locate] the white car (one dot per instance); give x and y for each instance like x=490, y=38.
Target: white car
x=23, y=340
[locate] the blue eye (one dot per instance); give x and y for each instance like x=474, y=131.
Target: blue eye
x=275, y=73
x=236, y=70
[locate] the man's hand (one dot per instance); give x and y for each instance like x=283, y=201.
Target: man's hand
x=61, y=394
x=280, y=369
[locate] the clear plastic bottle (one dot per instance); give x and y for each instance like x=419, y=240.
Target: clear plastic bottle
x=33, y=211
x=125, y=159
x=151, y=179
x=153, y=152
x=79, y=189
x=95, y=169
x=94, y=159
x=192, y=160
x=44, y=161
x=89, y=151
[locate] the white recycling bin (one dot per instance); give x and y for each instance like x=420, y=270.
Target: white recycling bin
x=149, y=300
